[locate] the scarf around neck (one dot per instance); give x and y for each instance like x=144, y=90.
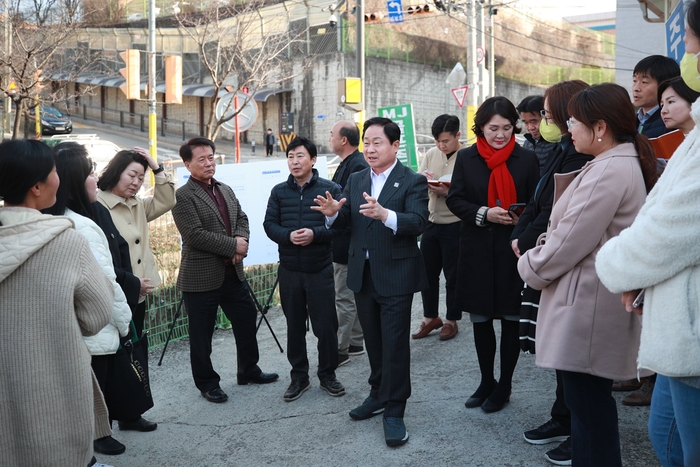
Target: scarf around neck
x=501, y=185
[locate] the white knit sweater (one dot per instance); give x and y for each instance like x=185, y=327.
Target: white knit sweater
x=661, y=251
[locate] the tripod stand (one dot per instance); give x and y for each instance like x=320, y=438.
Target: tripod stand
x=262, y=309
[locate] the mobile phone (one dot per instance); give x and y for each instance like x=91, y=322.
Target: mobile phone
x=517, y=208
x=639, y=301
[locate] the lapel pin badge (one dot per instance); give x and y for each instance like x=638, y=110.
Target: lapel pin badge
x=396, y=185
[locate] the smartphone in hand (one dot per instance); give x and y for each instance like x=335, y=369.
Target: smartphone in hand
x=639, y=301
x=517, y=208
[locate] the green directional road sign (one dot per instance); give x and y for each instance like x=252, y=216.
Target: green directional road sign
x=402, y=115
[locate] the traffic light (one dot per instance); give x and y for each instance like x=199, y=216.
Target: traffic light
x=131, y=73
x=173, y=79
x=373, y=17
x=419, y=9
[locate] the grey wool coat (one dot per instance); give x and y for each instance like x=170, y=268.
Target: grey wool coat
x=52, y=293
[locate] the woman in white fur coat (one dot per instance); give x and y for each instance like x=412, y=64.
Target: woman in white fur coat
x=74, y=198
x=661, y=252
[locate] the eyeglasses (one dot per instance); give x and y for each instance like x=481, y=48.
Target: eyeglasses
x=546, y=115
x=571, y=123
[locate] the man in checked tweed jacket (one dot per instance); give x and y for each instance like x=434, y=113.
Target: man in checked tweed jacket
x=214, y=233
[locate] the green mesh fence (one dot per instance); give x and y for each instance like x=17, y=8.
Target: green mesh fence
x=163, y=303
x=383, y=42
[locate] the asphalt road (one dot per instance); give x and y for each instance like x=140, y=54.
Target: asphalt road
x=256, y=427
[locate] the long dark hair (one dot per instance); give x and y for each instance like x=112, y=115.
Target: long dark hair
x=23, y=164
x=558, y=97
x=611, y=103
x=113, y=172
x=73, y=167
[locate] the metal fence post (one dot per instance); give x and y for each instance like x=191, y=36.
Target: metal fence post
x=143, y=126
x=183, y=131
x=121, y=118
x=162, y=127
x=84, y=111
x=102, y=114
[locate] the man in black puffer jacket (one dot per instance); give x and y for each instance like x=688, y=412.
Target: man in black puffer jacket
x=306, y=268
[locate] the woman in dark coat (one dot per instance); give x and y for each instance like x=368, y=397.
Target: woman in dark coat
x=532, y=224
x=488, y=178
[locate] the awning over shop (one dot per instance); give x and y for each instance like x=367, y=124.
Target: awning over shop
x=261, y=95
x=194, y=90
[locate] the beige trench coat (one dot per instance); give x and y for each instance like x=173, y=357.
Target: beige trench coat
x=581, y=326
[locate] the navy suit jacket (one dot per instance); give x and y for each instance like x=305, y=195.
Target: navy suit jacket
x=395, y=260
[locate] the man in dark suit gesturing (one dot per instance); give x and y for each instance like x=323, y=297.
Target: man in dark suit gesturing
x=215, y=234
x=386, y=207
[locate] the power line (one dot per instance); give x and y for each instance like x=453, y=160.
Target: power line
x=538, y=21
x=419, y=17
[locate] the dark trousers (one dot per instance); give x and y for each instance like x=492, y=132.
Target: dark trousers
x=101, y=366
x=386, y=324
x=595, y=439
x=268, y=149
x=235, y=301
x=139, y=317
x=560, y=412
x=439, y=246
x=310, y=295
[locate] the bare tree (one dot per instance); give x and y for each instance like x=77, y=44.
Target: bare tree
x=35, y=51
x=239, y=46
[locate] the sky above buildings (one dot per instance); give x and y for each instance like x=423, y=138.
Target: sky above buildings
x=563, y=8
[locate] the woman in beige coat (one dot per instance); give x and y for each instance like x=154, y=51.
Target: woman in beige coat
x=119, y=185
x=582, y=329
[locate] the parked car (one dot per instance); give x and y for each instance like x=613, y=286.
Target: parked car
x=100, y=151
x=52, y=121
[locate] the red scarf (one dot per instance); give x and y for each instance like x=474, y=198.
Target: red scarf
x=501, y=186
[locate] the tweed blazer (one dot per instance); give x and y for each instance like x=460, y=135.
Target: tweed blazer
x=205, y=243
x=396, y=262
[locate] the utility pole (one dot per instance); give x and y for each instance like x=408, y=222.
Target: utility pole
x=8, y=78
x=492, y=50
x=152, y=116
x=361, y=58
x=472, y=77
x=481, y=26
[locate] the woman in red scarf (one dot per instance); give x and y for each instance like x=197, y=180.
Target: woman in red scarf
x=489, y=177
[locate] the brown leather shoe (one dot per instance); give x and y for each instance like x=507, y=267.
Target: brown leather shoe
x=448, y=331
x=628, y=385
x=641, y=396
x=426, y=329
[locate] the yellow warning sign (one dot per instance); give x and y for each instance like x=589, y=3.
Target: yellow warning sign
x=285, y=140
x=12, y=88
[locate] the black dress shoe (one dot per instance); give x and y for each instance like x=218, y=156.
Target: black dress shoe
x=215, y=395
x=262, y=378
x=108, y=445
x=496, y=401
x=138, y=425
x=479, y=397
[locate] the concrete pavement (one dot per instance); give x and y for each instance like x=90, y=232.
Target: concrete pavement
x=256, y=427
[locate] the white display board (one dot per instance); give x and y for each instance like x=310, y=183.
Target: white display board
x=252, y=183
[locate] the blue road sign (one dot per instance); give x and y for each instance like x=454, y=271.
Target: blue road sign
x=395, y=11
x=675, y=30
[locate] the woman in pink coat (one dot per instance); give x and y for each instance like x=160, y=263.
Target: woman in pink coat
x=582, y=328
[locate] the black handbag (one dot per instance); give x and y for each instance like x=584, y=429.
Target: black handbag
x=127, y=390
x=528, y=318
